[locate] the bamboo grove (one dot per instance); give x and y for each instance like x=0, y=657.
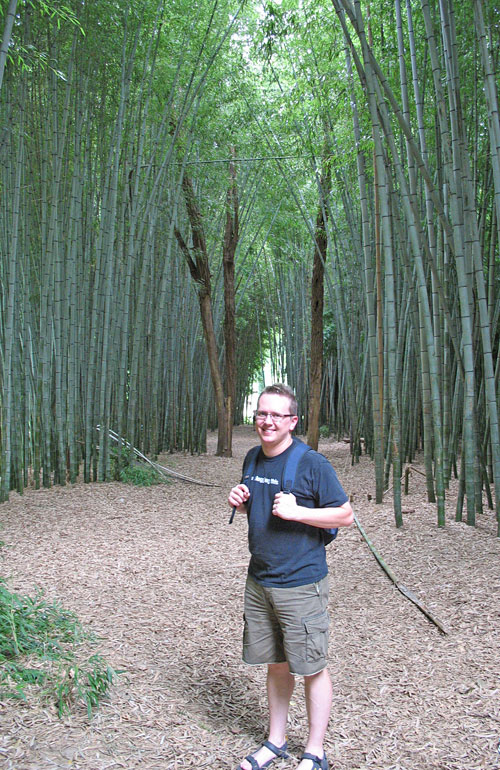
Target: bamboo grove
x=178, y=178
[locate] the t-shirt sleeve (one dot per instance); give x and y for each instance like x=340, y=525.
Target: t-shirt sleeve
x=322, y=481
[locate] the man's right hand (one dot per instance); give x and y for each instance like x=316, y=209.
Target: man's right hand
x=238, y=497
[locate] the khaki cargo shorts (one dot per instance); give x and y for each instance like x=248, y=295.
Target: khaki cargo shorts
x=287, y=624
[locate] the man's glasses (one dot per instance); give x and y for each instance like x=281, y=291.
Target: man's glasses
x=274, y=416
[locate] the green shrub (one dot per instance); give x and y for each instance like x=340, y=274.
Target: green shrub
x=124, y=467
x=141, y=476
x=325, y=431
x=45, y=649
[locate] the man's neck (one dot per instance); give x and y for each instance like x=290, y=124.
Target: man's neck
x=278, y=450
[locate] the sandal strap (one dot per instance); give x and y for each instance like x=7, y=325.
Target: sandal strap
x=255, y=765
x=317, y=761
x=279, y=751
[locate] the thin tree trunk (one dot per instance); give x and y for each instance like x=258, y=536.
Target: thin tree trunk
x=231, y=236
x=376, y=376
x=200, y=272
x=7, y=32
x=317, y=303
x=9, y=335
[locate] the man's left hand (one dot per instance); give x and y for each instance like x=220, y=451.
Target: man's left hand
x=285, y=506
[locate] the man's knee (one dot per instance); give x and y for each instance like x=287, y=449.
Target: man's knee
x=323, y=674
x=279, y=669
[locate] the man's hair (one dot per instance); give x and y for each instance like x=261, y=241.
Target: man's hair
x=280, y=389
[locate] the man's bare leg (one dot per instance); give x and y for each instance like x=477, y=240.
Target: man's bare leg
x=280, y=683
x=318, y=691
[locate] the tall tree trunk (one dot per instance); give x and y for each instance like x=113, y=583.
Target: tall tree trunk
x=200, y=271
x=7, y=32
x=9, y=323
x=374, y=344
x=231, y=235
x=317, y=303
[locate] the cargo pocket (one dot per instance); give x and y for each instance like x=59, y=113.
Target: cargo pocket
x=316, y=628
x=246, y=640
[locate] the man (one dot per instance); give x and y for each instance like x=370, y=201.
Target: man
x=286, y=593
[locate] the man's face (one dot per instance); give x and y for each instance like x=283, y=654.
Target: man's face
x=275, y=436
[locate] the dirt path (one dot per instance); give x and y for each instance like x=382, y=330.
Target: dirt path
x=159, y=574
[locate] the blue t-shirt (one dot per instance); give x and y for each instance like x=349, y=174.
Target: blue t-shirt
x=289, y=553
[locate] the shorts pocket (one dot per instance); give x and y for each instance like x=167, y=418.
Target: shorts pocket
x=246, y=639
x=316, y=629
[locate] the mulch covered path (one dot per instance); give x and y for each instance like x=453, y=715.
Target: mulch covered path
x=158, y=574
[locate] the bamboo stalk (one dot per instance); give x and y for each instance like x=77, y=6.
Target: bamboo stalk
x=410, y=595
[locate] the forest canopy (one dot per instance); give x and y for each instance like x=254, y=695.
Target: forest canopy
x=192, y=191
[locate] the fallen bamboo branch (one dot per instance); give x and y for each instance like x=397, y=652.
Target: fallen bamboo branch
x=161, y=469
x=405, y=591
x=417, y=470
x=405, y=476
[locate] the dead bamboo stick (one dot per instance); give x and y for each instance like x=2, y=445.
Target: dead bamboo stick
x=405, y=591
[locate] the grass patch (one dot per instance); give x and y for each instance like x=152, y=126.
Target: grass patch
x=46, y=652
x=126, y=468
